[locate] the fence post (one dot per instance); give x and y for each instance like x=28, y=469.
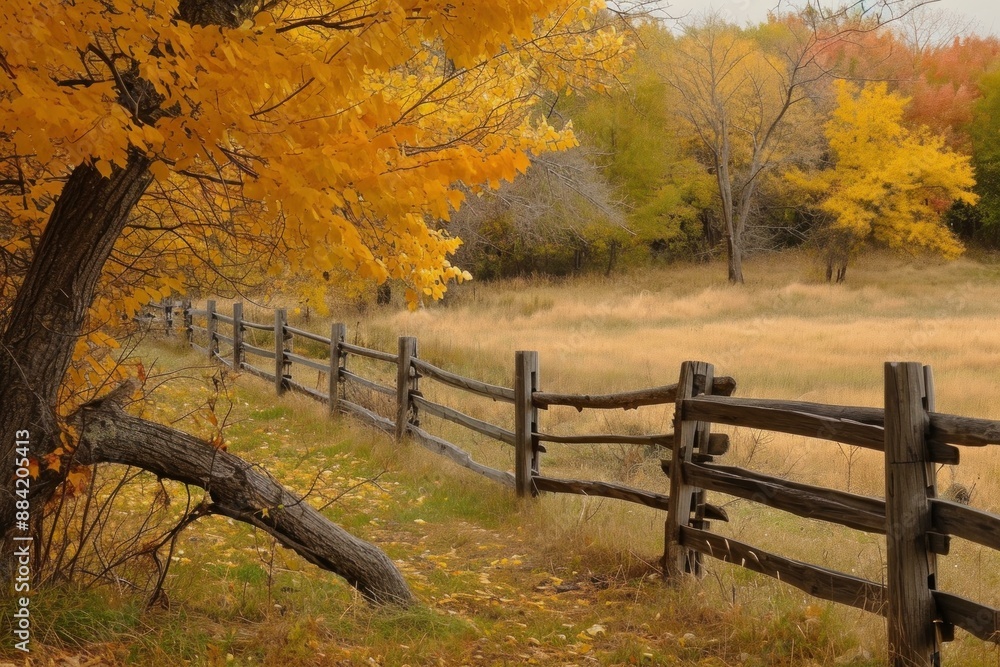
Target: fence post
x=909, y=477
x=406, y=382
x=696, y=378
x=525, y=423
x=188, y=322
x=338, y=332
x=945, y=631
x=212, y=326
x=237, y=336
x=279, y=351
x=168, y=318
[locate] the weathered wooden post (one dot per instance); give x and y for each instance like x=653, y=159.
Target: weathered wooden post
x=406, y=382
x=188, y=322
x=338, y=332
x=237, y=336
x=168, y=318
x=280, y=361
x=909, y=480
x=689, y=436
x=212, y=326
x=525, y=422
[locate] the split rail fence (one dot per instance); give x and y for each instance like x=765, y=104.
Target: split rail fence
x=913, y=437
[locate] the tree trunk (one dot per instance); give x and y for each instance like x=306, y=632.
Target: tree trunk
x=730, y=217
x=49, y=311
x=708, y=230
x=612, y=256
x=240, y=491
x=735, y=256
x=383, y=294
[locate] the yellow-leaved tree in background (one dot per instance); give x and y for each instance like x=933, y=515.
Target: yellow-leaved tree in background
x=886, y=183
x=150, y=145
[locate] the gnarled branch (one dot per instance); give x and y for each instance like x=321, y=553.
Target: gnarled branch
x=240, y=491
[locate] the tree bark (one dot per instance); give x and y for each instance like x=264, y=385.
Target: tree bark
x=732, y=218
x=735, y=257
x=240, y=491
x=48, y=313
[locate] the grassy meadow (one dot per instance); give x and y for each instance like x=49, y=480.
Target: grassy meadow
x=786, y=334
x=561, y=580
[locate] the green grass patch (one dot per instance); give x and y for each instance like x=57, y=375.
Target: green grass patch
x=70, y=616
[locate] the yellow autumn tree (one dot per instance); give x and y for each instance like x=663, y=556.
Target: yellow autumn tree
x=887, y=183
x=149, y=145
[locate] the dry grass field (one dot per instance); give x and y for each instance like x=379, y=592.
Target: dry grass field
x=560, y=580
x=786, y=334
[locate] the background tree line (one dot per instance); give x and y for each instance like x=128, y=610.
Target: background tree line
x=829, y=130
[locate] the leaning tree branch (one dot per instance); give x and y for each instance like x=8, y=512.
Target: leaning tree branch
x=238, y=490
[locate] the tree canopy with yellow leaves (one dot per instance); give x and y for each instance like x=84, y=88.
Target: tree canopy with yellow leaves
x=887, y=183
x=146, y=145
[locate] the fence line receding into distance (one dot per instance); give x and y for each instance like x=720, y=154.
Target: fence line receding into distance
x=913, y=438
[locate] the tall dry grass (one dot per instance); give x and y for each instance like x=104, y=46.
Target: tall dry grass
x=785, y=334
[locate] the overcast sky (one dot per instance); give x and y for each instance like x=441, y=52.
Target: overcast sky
x=984, y=15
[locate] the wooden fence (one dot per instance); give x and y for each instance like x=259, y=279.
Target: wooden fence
x=913, y=437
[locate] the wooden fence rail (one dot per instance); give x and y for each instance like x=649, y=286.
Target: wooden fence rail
x=912, y=437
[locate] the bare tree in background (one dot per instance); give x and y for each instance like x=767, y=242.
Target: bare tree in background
x=562, y=204
x=744, y=91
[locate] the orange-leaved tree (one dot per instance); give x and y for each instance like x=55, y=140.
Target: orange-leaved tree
x=938, y=71
x=887, y=183
x=146, y=145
